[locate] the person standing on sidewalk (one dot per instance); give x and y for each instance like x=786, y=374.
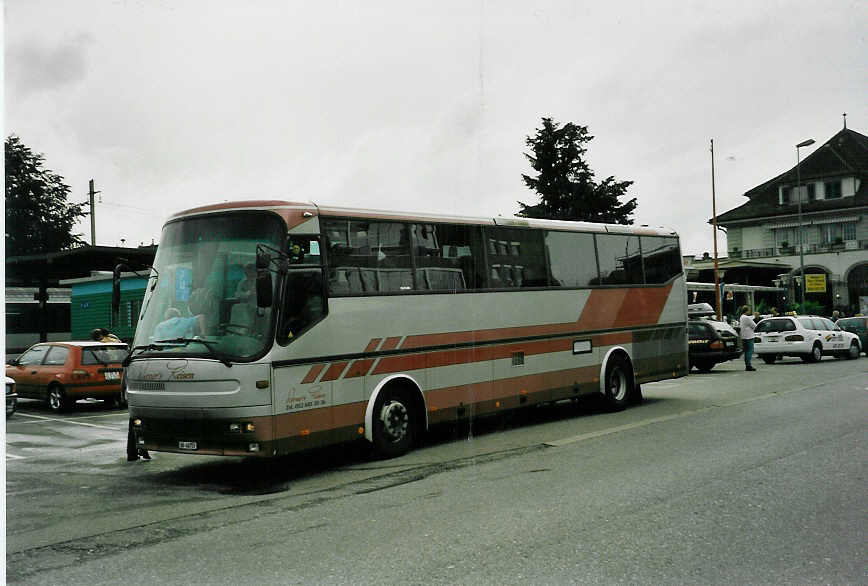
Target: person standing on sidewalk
x=747, y=327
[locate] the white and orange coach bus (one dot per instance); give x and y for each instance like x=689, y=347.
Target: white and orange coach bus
x=271, y=327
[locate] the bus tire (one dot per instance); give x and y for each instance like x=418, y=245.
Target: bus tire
x=618, y=383
x=57, y=400
x=395, y=423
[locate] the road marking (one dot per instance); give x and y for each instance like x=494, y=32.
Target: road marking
x=70, y=421
x=123, y=414
x=14, y=457
x=620, y=428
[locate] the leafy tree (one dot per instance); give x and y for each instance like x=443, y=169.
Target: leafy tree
x=565, y=182
x=38, y=217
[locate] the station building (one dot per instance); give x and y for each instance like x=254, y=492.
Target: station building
x=764, y=231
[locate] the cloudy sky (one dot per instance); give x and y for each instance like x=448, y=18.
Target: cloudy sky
x=422, y=106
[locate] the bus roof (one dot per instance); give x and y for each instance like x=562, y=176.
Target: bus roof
x=296, y=213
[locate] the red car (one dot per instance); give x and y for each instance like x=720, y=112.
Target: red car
x=63, y=372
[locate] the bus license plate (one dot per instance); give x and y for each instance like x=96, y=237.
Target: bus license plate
x=187, y=445
x=112, y=376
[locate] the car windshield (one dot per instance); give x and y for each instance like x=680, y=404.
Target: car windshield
x=202, y=295
x=775, y=325
x=103, y=354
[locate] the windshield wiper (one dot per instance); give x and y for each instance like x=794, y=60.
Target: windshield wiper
x=160, y=344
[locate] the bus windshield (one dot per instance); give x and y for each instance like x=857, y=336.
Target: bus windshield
x=203, y=302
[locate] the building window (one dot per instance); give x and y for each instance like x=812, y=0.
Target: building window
x=786, y=193
x=849, y=231
x=812, y=191
x=786, y=237
x=831, y=233
x=832, y=189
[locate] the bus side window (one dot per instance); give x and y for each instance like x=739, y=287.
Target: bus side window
x=446, y=256
x=619, y=259
x=661, y=258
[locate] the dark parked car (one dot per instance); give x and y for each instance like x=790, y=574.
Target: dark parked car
x=709, y=341
x=63, y=372
x=856, y=325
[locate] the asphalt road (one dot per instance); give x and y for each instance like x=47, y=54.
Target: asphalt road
x=721, y=478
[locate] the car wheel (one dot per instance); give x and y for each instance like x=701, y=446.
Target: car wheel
x=769, y=358
x=816, y=354
x=394, y=424
x=619, y=382
x=57, y=400
x=704, y=366
x=853, y=354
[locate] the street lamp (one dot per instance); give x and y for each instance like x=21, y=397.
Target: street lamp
x=804, y=143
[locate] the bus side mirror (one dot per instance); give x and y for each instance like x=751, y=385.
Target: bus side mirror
x=264, y=288
x=263, y=260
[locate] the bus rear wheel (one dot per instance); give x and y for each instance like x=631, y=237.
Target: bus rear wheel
x=618, y=383
x=394, y=424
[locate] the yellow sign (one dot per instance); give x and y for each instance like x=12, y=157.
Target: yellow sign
x=815, y=283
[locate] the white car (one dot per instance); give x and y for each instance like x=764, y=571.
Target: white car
x=11, y=397
x=807, y=336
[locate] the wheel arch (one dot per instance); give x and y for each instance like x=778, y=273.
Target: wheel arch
x=615, y=351
x=404, y=381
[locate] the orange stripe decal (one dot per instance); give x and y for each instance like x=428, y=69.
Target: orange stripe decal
x=359, y=368
x=642, y=307
x=601, y=309
x=372, y=345
x=470, y=336
x=312, y=373
x=391, y=343
x=467, y=355
x=334, y=371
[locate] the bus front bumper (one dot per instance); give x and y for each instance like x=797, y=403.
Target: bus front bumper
x=217, y=432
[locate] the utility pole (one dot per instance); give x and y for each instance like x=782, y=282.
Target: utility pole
x=92, y=193
x=714, y=220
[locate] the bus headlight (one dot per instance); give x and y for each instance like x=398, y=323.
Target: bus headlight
x=242, y=427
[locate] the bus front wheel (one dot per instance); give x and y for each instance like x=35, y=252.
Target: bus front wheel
x=618, y=382
x=394, y=424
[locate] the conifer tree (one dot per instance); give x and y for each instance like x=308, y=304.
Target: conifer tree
x=565, y=182
x=38, y=216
